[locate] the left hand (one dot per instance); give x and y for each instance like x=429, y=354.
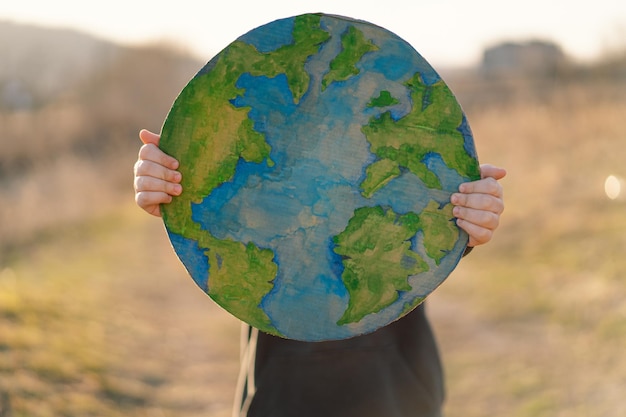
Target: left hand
x=479, y=204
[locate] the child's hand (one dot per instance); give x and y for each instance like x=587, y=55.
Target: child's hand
x=479, y=204
x=156, y=178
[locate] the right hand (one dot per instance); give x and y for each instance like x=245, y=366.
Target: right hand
x=156, y=175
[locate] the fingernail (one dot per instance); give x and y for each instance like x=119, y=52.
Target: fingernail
x=454, y=199
x=178, y=189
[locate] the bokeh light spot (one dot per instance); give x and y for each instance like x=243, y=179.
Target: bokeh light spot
x=612, y=187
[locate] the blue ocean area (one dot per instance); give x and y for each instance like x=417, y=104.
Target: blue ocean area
x=268, y=38
x=195, y=261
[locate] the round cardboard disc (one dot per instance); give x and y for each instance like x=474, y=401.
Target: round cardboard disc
x=318, y=156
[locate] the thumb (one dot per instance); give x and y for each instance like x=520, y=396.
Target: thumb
x=148, y=137
x=494, y=172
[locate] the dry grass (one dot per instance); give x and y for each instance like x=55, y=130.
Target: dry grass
x=534, y=324
x=87, y=330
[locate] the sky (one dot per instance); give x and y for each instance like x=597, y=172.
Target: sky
x=447, y=33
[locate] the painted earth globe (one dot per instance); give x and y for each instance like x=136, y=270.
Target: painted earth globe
x=318, y=156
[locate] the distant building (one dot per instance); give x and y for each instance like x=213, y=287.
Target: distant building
x=539, y=58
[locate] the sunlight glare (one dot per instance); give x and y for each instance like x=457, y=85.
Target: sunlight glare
x=612, y=187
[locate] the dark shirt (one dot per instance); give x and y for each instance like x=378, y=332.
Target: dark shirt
x=393, y=372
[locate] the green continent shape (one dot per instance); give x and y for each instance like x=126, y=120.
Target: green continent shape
x=343, y=66
x=430, y=126
x=377, y=256
x=290, y=59
x=377, y=259
x=208, y=135
x=440, y=230
x=408, y=307
x=383, y=100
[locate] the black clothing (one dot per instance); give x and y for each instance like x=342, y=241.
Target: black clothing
x=393, y=372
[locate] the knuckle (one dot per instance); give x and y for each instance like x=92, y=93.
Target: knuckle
x=494, y=204
x=482, y=201
x=484, y=219
x=141, y=199
x=492, y=221
x=491, y=185
x=496, y=187
x=140, y=167
x=143, y=152
x=140, y=183
x=483, y=235
x=490, y=203
x=500, y=207
x=147, y=152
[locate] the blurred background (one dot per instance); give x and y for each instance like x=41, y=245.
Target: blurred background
x=98, y=317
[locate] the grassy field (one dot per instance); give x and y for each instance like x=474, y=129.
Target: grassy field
x=98, y=318
x=535, y=323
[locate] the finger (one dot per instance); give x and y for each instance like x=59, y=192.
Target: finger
x=149, y=137
x=491, y=171
x=151, y=201
x=481, y=218
x=485, y=186
x=150, y=152
x=477, y=235
x=151, y=184
x=145, y=168
x=476, y=201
